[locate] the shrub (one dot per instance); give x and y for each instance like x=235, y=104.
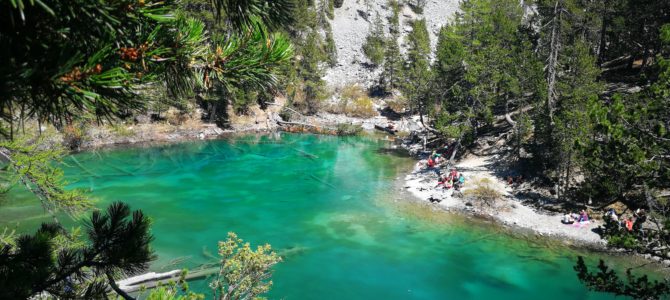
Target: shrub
x=482, y=191
x=175, y=117
x=338, y=3
x=355, y=102
x=397, y=104
x=353, y=91
x=285, y=115
x=374, y=49
x=361, y=107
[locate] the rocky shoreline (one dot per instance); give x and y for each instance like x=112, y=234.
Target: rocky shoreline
x=256, y=121
x=509, y=212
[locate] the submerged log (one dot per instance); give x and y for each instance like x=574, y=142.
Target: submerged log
x=295, y=123
x=306, y=128
x=120, y=170
x=84, y=169
x=322, y=181
x=306, y=154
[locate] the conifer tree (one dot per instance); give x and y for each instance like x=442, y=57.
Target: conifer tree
x=630, y=145
x=375, y=42
x=571, y=75
x=477, y=66
x=572, y=126
x=417, y=67
x=118, y=243
x=393, y=60
x=311, y=71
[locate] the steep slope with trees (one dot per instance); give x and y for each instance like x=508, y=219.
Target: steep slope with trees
x=555, y=74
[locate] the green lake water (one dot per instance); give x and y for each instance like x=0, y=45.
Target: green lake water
x=331, y=206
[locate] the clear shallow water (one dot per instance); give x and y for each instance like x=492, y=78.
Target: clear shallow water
x=330, y=205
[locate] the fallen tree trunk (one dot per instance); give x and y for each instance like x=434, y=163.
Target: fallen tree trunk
x=511, y=122
x=295, y=123
x=153, y=279
x=386, y=129
x=508, y=116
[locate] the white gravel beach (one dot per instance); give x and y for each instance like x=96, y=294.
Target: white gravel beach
x=508, y=210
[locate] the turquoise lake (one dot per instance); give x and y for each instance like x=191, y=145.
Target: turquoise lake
x=332, y=206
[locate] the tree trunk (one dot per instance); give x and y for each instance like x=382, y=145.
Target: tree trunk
x=603, y=34
x=429, y=128
x=212, y=112
x=508, y=116
x=22, y=121
x=553, y=61
x=11, y=122
x=453, y=152
x=568, y=172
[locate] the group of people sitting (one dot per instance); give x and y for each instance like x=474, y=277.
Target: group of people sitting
x=638, y=217
x=570, y=218
x=451, y=180
x=434, y=160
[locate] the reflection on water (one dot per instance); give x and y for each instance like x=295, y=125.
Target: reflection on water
x=329, y=205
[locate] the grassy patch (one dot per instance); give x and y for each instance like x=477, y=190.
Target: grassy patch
x=122, y=130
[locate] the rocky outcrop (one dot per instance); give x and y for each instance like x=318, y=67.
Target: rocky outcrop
x=352, y=23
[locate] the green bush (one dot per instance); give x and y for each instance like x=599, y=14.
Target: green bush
x=617, y=236
x=338, y=3
x=624, y=240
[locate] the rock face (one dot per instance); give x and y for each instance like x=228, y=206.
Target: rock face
x=352, y=23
